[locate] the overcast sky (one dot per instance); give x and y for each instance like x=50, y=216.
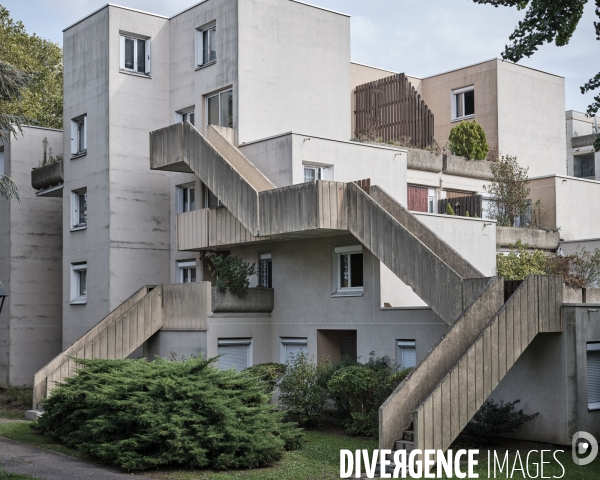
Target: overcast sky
x=418, y=37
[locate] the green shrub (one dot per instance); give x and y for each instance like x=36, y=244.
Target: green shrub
x=303, y=389
x=140, y=415
x=268, y=373
x=359, y=391
x=467, y=139
x=449, y=209
x=231, y=272
x=18, y=397
x=520, y=263
x=496, y=419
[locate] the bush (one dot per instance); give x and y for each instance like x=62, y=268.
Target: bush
x=231, y=273
x=467, y=139
x=303, y=389
x=508, y=191
x=359, y=391
x=520, y=262
x=18, y=397
x=496, y=419
x=449, y=209
x=139, y=415
x=267, y=373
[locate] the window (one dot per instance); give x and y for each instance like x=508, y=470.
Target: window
x=220, y=109
x=291, y=347
x=350, y=268
x=2, y=160
x=463, y=103
x=79, y=135
x=79, y=209
x=187, y=271
x=187, y=115
x=135, y=54
x=236, y=353
x=593, y=375
x=312, y=173
x=78, y=283
x=265, y=270
x=186, y=198
x=406, y=353
x=206, y=46
x=210, y=199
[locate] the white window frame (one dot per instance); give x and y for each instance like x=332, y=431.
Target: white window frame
x=77, y=270
x=181, y=189
x=75, y=207
x=79, y=129
x=218, y=94
x=405, y=344
x=208, y=30
x=455, y=93
x=284, y=341
x=2, y=167
x=182, y=267
x=223, y=342
x=347, y=250
x=592, y=347
x=186, y=115
x=321, y=172
x=122, y=37
x=207, y=193
x=431, y=203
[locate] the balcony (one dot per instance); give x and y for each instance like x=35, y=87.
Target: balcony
x=257, y=300
x=48, y=180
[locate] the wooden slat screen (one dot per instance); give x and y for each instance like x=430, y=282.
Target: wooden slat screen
x=417, y=199
x=461, y=205
x=391, y=109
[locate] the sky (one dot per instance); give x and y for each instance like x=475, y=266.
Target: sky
x=417, y=37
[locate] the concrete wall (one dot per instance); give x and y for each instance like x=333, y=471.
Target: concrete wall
x=555, y=362
x=281, y=159
x=302, y=280
x=294, y=70
x=30, y=264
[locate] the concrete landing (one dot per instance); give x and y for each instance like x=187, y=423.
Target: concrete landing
x=16, y=457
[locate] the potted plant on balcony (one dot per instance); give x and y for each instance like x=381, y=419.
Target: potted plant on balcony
x=231, y=292
x=49, y=173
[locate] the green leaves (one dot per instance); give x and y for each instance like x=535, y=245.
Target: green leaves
x=140, y=415
x=520, y=263
x=509, y=191
x=467, y=139
x=231, y=272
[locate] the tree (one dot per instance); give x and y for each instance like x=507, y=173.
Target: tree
x=467, y=139
x=544, y=22
x=509, y=191
x=41, y=101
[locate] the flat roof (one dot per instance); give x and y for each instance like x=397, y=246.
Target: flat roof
x=187, y=9
x=490, y=60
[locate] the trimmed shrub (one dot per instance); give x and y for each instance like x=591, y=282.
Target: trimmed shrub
x=467, y=139
x=139, y=415
x=267, y=373
x=231, y=273
x=449, y=209
x=496, y=419
x=520, y=262
x=303, y=389
x=359, y=391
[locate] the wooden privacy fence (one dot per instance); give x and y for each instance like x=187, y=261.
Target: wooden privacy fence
x=461, y=205
x=391, y=109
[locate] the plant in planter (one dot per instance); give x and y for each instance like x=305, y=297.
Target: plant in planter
x=467, y=139
x=231, y=273
x=48, y=158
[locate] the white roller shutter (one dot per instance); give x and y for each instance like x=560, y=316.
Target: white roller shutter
x=235, y=353
x=406, y=354
x=593, y=376
x=291, y=347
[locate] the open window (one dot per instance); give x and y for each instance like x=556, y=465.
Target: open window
x=79, y=209
x=206, y=45
x=134, y=54
x=234, y=353
x=219, y=108
x=406, y=353
x=186, y=271
x=186, y=198
x=593, y=375
x=186, y=115
x=79, y=136
x=463, y=103
x=315, y=172
x=78, y=283
x=349, y=263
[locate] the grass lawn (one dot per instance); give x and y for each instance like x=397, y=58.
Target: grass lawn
x=14, y=476
x=22, y=432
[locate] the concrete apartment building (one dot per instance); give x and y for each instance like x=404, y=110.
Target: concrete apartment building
x=250, y=153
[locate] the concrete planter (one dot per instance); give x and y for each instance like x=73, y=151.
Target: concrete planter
x=47, y=176
x=257, y=300
x=538, y=239
x=464, y=167
x=424, y=160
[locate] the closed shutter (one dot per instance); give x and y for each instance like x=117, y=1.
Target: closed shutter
x=593, y=376
x=235, y=353
x=147, y=69
x=406, y=354
x=418, y=198
x=291, y=348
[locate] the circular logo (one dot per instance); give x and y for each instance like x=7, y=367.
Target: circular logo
x=584, y=444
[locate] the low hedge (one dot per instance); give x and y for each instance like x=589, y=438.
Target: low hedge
x=139, y=415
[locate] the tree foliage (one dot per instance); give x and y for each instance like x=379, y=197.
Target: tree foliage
x=509, y=191
x=231, y=272
x=497, y=419
x=521, y=262
x=467, y=139
x=40, y=63
x=546, y=21
x=139, y=415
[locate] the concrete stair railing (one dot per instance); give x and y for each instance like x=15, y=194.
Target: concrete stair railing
x=493, y=346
